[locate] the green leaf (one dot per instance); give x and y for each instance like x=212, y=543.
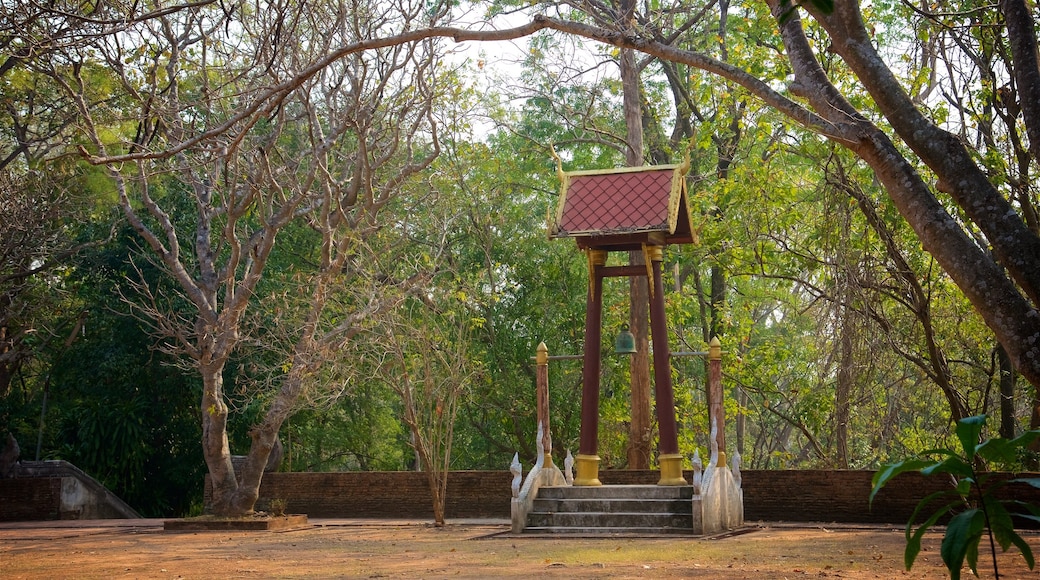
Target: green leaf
x=1006, y=450
x=1023, y=547
x=1031, y=481
x=953, y=465
x=973, y=556
x=965, y=530
x=962, y=533
x=1000, y=523
x=913, y=546
x=1003, y=529
x=968, y=431
x=1029, y=507
x=913, y=541
x=893, y=469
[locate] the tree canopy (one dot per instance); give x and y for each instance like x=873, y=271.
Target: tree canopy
x=329, y=214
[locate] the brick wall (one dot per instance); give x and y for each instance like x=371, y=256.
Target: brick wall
x=833, y=496
x=26, y=499
x=806, y=496
x=386, y=494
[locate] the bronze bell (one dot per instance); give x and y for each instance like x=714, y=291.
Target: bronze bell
x=625, y=343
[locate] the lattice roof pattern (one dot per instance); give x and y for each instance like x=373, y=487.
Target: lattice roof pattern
x=620, y=202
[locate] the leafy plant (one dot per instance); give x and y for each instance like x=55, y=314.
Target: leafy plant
x=976, y=509
x=278, y=507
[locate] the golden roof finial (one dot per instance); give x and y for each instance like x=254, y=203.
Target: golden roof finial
x=559, y=162
x=684, y=166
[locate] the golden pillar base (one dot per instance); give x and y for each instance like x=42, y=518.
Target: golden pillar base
x=671, y=469
x=587, y=467
x=547, y=462
x=722, y=459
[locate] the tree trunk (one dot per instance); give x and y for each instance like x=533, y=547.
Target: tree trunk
x=234, y=493
x=1021, y=34
x=215, y=447
x=435, y=481
x=1015, y=247
x=843, y=383
x=639, y=432
x=716, y=301
x=1012, y=317
x=1006, y=380
x=740, y=421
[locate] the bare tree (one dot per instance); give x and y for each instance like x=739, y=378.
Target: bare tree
x=37, y=119
x=392, y=140
x=35, y=240
x=426, y=361
x=331, y=146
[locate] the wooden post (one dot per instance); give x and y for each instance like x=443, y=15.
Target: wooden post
x=716, y=411
x=669, y=459
x=587, y=462
x=542, y=386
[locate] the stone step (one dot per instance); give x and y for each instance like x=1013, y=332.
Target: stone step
x=610, y=505
x=626, y=531
x=617, y=492
x=610, y=520
x=612, y=510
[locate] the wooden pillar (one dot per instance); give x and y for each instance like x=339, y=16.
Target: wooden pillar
x=542, y=386
x=587, y=462
x=716, y=410
x=668, y=446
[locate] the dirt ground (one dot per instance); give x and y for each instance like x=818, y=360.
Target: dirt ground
x=463, y=549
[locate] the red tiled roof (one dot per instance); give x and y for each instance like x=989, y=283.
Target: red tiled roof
x=623, y=202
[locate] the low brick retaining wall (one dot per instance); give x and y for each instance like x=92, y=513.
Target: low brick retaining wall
x=793, y=496
x=30, y=499
x=796, y=495
x=385, y=494
x=53, y=490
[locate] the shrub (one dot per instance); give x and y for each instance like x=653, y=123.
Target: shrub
x=973, y=505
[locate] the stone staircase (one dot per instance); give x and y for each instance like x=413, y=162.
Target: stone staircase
x=612, y=510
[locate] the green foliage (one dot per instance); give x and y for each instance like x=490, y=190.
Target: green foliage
x=976, y=509
x=128, y=417
x=764, y=196
x=360, y=431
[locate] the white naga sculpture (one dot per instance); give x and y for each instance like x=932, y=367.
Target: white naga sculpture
x=518, y=474
x=713, y=458
x=698, y=471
